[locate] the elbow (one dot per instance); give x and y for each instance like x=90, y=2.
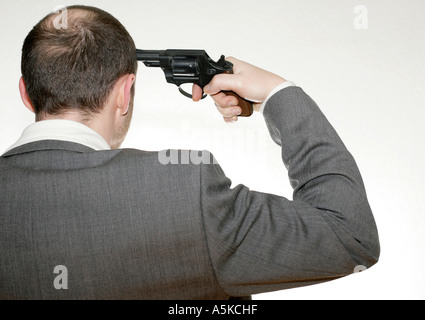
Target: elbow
x=367, y=251
x=365, y=242
x=371, y=244
x=361, y=242
x=374, y=249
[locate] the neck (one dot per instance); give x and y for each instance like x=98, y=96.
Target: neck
x=98, y=122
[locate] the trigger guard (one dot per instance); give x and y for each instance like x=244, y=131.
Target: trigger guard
x=189, y=95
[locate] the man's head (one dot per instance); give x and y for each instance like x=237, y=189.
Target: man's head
x=84, y=68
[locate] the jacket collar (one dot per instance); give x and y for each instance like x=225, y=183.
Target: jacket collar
x=48, y=145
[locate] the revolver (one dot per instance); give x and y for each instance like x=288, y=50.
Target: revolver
x=191, y=66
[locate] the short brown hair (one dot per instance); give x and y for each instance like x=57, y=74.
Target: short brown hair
x=76, y=67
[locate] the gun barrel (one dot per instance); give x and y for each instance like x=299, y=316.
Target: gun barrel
x=149, y=57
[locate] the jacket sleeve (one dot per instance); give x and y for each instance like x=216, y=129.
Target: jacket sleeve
x=262, y=242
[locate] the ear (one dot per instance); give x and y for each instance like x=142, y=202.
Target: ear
x=24, y=95
x=124, y=95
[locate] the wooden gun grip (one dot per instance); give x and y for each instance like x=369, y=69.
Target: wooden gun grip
x=245, y=105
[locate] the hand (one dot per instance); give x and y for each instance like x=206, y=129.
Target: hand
x=249, y=82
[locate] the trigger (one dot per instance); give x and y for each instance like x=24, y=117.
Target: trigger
x=189, y=95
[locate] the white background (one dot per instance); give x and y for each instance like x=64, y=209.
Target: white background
x=370, y=84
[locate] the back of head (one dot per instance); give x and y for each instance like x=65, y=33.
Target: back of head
x=75, y=66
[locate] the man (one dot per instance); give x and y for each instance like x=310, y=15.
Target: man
x=82, y=219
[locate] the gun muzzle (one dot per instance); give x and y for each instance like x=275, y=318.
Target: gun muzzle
x=149, y=57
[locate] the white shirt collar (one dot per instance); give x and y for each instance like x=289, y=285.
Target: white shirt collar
x=64, y=130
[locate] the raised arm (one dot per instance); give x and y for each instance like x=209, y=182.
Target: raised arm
x=261, y=242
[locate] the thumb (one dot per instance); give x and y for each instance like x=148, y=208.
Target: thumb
x=221, y=82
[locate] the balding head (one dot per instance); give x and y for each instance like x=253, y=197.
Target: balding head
x=74, y=66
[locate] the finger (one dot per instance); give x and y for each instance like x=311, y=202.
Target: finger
x=224, y=81
x=225, y=100
x=226, y=105
x=196, y=92
x=229, y=112
x=230, y=120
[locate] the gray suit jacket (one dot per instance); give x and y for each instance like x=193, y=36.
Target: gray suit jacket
x=126, y=226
